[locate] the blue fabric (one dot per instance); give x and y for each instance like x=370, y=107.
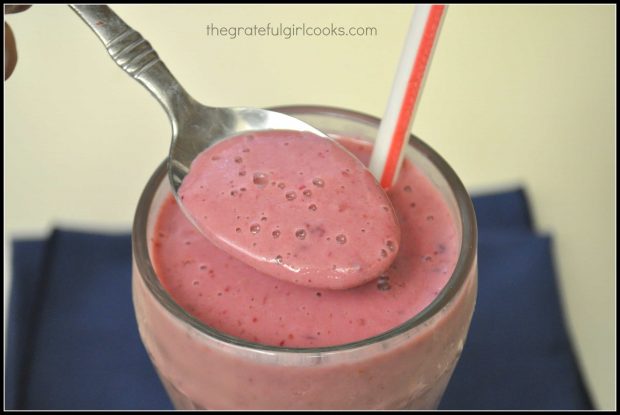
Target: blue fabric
x=517, y=354
x=73, y=341
x=79, y=347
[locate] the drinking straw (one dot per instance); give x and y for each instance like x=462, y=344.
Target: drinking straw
x=387, y=154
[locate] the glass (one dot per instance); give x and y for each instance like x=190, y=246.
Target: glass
x=407, y=367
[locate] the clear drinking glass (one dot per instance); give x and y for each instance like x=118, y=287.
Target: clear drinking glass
x=407, y=367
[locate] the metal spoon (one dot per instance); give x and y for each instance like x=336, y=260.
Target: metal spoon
x=195, y=126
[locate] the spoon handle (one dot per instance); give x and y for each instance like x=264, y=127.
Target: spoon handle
x=137, y=57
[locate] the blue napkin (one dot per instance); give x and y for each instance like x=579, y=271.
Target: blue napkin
x=517, y=354
x=73, y=341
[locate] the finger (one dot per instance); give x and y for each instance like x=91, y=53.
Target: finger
x=10, y=52
x=9, y=9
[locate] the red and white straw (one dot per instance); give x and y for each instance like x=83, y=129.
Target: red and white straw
x=389, y=146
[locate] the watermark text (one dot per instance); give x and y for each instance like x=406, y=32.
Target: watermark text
x=289, y=31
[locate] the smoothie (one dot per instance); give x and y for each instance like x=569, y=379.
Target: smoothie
x=223, y=335
x=292, y=205
x=232, y=297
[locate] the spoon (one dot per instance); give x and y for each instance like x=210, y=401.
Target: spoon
x=195, y=126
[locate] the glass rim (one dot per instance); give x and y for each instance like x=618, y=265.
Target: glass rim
x=466, y=259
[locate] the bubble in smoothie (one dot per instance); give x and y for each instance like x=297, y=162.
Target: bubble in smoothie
x=318, y=182
x=260, y=179
x=383, y=283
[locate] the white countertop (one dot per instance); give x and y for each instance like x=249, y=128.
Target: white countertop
x=517, y=95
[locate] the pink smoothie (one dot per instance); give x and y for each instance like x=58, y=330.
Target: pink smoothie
x=294, y=206
x=236, y=299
